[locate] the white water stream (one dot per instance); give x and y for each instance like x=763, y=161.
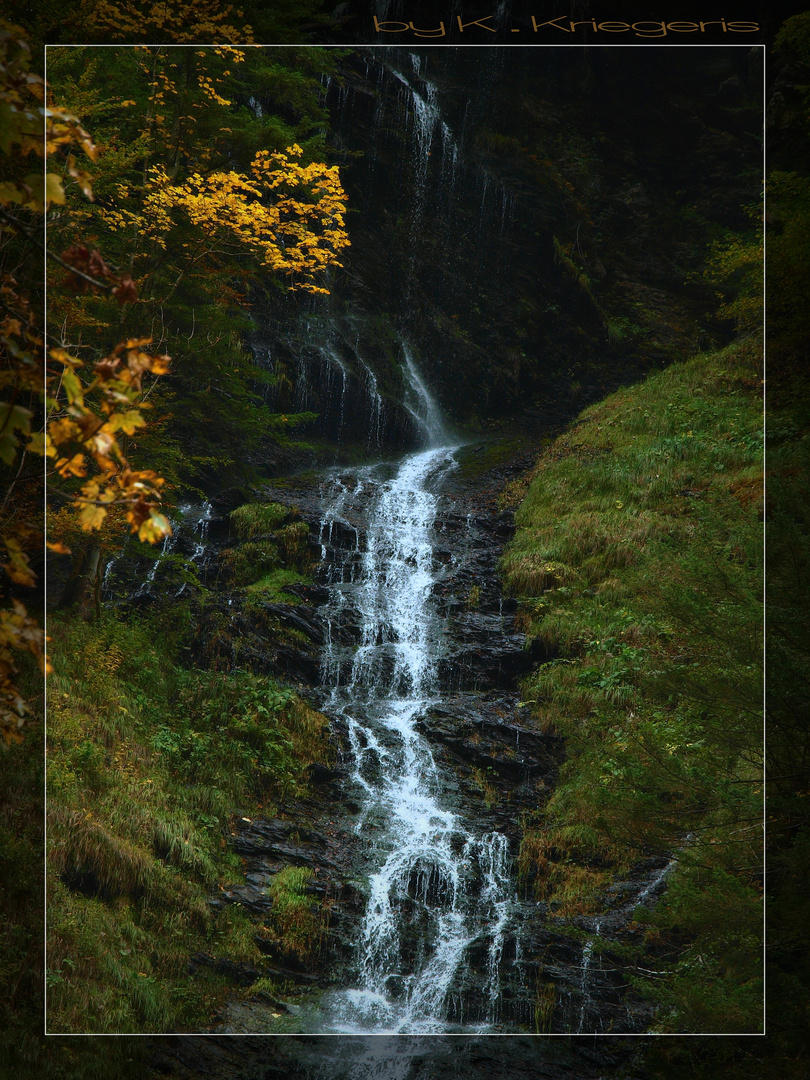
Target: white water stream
x=437, y=890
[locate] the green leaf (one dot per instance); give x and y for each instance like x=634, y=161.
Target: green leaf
x=127, y=422
x=37, y=444
x=73, y=387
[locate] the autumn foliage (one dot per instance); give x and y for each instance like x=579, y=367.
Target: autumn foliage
x=289, y=215
x=26, y=190
x=80, y=437
x=192, y=21
x=79, y=406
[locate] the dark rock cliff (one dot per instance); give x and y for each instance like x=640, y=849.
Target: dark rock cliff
x=528, y=224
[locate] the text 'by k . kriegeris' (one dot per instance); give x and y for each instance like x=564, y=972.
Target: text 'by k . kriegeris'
x=565, y=29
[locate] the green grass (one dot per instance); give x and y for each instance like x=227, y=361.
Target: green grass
x=147, y=763
x=637, y=560
x=478, y=458
x=271, y=586
x=244, y=564
x=273, y=551
x=25, y=1054
x=297, y=921
x=255, y=519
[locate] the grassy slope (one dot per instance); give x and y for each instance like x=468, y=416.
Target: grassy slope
x=25, y=1054
x=638, y=561
x=148, y=762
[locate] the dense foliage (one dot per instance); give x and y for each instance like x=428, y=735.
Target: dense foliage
x=103, y=304
x=788, y=544
x=172, y=203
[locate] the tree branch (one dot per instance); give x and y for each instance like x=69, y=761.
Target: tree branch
x=34, y=239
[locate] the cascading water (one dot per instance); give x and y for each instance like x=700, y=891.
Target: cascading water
x=442, y=946
x=374, y=436
x=586, y=1000
x=421, y=405
x=335, y=359
x=435, y=888
x=167, y=548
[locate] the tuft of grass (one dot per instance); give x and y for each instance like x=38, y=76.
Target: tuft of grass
x=297, y=921
x=544, y=1006
x=272, y=586
x=250, y=561
x=488, y=790
x=271, y=544
x=256, y=519
x=293, y=540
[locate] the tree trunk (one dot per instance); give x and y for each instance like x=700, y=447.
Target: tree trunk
x=83, y=588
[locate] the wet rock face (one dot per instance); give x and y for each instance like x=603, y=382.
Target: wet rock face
x=499, y=766
x=314, y=834
x=484, y=647
x=493, y=730
x=581, y=203
x=232, y=634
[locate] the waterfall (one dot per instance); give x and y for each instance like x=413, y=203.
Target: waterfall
x=374, y=436
x=436, y=888
x=105, y=581
x=586, y=999
x=335, y=360
x=421, y=405
x=203, y=515
x=145, y=587
x=433, y=940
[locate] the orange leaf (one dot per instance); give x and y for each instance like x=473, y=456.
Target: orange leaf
x=60, y=549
